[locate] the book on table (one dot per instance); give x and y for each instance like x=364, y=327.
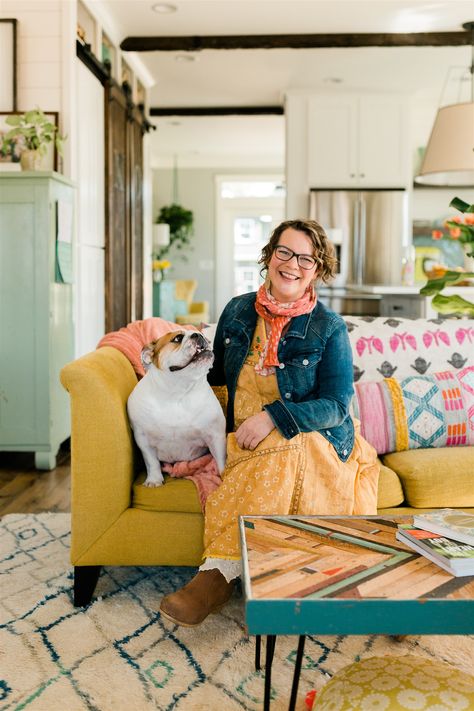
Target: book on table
x=452, y=523
x=453, y=556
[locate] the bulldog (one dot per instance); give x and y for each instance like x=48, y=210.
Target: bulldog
x=173, y=411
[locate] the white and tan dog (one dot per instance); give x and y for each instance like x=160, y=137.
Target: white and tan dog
x=174, y=413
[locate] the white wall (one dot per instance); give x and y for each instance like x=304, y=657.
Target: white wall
x=89, y=303
x=196, y=192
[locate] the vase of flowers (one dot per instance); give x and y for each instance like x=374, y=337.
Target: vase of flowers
x=160, y=267
x=461, y=228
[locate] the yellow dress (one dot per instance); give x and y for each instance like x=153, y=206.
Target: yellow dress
x=303, y=475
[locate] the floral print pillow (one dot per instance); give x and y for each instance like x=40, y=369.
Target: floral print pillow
x=384, y=347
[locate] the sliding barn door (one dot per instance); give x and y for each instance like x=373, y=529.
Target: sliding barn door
x=135, y=155
x=124, y=210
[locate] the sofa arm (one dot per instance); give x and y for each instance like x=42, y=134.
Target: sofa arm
x=102, y=469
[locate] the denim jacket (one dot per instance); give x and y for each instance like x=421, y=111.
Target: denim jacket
x=314, y=377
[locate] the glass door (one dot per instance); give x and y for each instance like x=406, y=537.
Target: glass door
x=244, y=225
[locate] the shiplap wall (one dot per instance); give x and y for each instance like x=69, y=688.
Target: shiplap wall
x=45, y=64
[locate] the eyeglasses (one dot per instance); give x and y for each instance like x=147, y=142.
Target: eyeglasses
x=305, y=261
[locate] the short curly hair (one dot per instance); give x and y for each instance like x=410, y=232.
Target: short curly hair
x=323, y=250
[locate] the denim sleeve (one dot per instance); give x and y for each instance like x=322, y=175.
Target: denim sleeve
x=328, y=404
x=216, y=375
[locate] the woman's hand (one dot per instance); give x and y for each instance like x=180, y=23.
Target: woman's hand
x=253, y=430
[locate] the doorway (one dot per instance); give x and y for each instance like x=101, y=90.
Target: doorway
x=248, y=208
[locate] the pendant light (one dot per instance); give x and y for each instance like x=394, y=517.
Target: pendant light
x=449, y=155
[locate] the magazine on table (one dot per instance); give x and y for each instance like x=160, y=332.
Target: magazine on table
x=452, y=523
x=453, y=556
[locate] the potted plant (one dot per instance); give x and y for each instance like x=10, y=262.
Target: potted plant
x=180, y=222
x=34, y=130
x=462, y=229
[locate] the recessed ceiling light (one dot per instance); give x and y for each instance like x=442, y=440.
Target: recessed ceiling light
x=164, y=8
x=185, y=58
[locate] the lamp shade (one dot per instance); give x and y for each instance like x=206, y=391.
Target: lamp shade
x=161, y=235
x=449, y=156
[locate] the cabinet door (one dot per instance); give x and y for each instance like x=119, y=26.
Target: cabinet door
x=24, y=414
x=382, y=146
x=332, y=142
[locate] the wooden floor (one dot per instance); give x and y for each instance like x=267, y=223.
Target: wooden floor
x=24, y=489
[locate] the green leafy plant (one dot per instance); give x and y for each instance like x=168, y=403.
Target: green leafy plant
x=462, y=230
x=181, y=223
x=35, y=131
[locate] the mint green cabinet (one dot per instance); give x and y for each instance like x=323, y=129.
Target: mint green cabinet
x=36, y=316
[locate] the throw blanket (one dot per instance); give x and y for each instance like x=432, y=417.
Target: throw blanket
x=203, y=472
x=130, y=339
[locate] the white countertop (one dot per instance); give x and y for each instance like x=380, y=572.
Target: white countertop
x=402, y=290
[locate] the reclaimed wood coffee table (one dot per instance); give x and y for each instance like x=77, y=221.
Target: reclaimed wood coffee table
x=343, y=575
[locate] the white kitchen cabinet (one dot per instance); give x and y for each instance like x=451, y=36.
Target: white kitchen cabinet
x=357, y=141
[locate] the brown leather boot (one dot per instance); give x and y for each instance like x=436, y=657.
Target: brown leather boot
x=207, y=592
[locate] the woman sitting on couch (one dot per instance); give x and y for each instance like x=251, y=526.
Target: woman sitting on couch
x=287, y=364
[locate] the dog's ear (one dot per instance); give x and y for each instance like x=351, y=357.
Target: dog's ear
x=146, y=355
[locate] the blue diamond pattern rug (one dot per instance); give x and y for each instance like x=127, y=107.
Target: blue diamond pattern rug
x=119, y=655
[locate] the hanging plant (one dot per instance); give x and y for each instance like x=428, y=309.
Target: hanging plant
x=180, y=221
x=178, y=218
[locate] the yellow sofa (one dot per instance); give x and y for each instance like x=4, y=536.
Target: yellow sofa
x=116, y=521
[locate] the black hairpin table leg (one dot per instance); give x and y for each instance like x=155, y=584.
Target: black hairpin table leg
x=271, y=639
x=258, y=646
x=297, y=672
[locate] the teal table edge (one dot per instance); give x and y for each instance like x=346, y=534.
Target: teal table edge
x=381, y=616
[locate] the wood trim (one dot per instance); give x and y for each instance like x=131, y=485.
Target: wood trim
x=309, y=41
x=217, y=111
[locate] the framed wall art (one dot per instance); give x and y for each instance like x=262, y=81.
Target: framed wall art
x=8, y=63
x=10, y=150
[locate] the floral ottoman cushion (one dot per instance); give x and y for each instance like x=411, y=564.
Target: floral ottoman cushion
x=397, y=684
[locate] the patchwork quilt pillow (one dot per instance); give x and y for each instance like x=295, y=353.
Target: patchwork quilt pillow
x=434, y=410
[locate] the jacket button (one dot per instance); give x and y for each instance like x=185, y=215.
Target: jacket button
x=328, y=432
x=227, y=340
x=288, y=396
x=281, y=366
x=284, y=343
x=344, y=452
x=306, y=361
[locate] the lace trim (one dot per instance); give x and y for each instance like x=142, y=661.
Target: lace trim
x=230, y=569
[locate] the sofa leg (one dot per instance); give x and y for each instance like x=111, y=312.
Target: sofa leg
x=85, y=580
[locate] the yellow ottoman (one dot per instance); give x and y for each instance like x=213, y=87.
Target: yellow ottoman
x=396, y=684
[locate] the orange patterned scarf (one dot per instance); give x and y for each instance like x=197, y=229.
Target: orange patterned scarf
x=278, y=315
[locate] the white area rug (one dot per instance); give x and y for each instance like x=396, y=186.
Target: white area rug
x=119, y=655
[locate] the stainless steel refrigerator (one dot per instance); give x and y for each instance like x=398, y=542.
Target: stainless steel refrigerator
x=369, y=229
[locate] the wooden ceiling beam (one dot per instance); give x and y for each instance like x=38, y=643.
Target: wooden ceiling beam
x=217, y=111
x=313, y=41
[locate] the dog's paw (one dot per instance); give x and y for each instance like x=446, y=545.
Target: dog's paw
x=152, y=483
